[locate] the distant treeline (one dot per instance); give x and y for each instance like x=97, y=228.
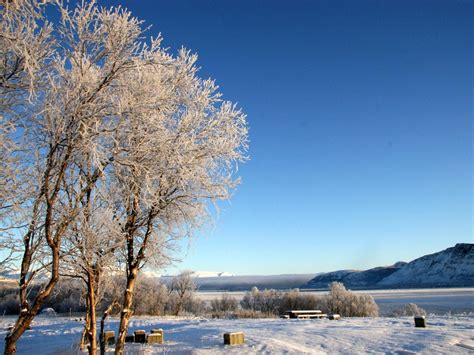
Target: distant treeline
x=179, y=298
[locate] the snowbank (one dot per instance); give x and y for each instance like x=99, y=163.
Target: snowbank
x=350, y=335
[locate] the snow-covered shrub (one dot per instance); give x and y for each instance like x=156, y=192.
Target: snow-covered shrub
x=276, y=302
x=296, y=300
x=411, y=309
x=266, y=301
x=10, y=304
x=195, y=306
x=48, y=312
x=151, y=298
x=350, y=304
x=225, y=304
x=182, y=293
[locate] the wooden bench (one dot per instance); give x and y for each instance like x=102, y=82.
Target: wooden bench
x=304, y=314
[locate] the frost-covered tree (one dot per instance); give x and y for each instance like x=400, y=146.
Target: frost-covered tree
x=180, y=145
x=266, y=301
x=181, y=291
x=24, y=54
x=98, y=107
x=350, y=304
x=93, y=255
x=70, y=119
x=225, y=304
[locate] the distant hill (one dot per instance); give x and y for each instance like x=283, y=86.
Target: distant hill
x=355, y=279
x=452, y=267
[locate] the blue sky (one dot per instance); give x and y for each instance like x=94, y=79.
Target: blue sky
x=360, y=116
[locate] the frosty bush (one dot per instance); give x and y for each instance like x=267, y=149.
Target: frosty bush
x=338, y=300
x=267, y=301
x=153, y=298
x=411, y=309
x=295, y=300
x=9, y=304
x=225, y=304
x=350, y=304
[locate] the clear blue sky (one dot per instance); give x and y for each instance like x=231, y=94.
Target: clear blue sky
x=360, y=116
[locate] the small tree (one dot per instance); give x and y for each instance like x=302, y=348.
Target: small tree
x=225, y=304
x=179, y=152
x=181, y=291
x=154, y=297
x=295, y=300
x=266, y=301
x=93, y=246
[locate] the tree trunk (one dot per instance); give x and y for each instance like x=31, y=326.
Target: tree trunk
x=101, y=336
x=126, y=313
x=102, y=325
x=12, y=337
x=85, y=331
x=92, y=334
x=27, y=315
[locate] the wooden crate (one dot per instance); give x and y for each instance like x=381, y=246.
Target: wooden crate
x=420, y=322
x=130, y=338
x=159, y=331
x=140, y=336
x=154, y=338
x=109, y=337
x=334, y=317
x=235, y=338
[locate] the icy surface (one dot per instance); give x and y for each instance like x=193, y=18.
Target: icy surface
x=350, y=335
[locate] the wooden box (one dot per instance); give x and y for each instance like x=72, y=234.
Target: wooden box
x=420, y=322
x=140, y=336
x=154, y=338
x=159, y=331
x=235, y=338
x=109, y=337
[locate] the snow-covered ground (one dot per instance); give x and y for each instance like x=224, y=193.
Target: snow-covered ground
x=350, y=335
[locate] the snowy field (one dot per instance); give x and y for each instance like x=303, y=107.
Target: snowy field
x=202, y=336
x=434, y=300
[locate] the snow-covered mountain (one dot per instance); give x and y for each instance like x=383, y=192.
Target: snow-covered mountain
x=354, y=278
x=451, y=267
x=448, y=268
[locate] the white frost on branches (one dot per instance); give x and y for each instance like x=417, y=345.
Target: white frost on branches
x=98, y=124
